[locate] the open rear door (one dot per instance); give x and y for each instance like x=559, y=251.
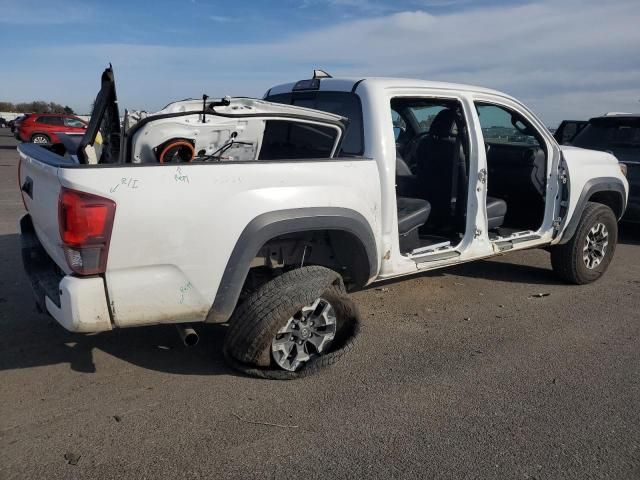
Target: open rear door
x=101, y=141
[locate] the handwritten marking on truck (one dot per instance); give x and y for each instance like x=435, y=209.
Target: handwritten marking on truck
x=128, y=182
x=180, y=176
x=183, y=290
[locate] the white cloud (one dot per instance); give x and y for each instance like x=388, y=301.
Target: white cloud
x=565, y=59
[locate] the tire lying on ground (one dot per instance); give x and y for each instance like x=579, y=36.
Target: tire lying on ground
x=586, y=256
x=293, y=325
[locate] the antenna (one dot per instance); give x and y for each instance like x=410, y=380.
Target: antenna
x=321, y=74
x=204, y=107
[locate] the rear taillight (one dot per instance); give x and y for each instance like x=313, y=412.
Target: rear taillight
x=85, y=229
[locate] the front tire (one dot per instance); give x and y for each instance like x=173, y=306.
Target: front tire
x=293, y=325
x=587, y=255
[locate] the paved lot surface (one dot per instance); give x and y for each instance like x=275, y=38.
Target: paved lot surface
x=458, y=374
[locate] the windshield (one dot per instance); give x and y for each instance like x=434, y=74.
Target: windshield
x=618, y=135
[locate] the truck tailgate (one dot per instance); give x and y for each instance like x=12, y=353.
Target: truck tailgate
x=38, y=180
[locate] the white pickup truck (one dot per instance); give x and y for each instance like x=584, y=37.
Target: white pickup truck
x=264, y=213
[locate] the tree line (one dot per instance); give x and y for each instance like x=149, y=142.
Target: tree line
x=37, y=106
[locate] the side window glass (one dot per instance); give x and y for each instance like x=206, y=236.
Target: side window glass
x=424, y=115
x=500, y=125
x=290, y=140
x=399, y=125
x=43, y=120
x=73, y=122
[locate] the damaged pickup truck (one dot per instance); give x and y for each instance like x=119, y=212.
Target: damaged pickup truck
x=265, y=213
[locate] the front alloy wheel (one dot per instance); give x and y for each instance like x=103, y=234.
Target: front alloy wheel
x=595, y=246
x=588, y=253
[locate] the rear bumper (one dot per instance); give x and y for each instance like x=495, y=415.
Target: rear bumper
x=78, y=304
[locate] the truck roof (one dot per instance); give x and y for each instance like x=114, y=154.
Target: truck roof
x=349, y=84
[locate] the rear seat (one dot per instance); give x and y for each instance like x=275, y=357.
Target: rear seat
x=412, y=214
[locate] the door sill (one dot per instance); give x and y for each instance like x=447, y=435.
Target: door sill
x=520, y=237
x=434, y=256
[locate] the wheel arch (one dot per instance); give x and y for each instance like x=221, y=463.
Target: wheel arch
x=609, y=191
x=348, y=228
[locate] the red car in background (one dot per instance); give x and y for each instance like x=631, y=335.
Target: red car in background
x=44, y=127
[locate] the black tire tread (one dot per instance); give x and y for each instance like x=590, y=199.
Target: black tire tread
x=565, y=258
x=258, y=317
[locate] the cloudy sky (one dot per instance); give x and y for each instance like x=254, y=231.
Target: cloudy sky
x=566, y=59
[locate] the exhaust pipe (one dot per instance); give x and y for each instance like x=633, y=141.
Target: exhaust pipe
x=188, y=335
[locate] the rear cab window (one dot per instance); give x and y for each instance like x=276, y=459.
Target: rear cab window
x=346, y=104
x=284, y=140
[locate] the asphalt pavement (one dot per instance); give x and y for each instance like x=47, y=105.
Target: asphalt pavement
x=461, y=373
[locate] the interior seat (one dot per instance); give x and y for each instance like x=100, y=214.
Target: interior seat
x=517, y=174
x=412, y=214
x=441, y=169
x=407, y=184
x=496, y=211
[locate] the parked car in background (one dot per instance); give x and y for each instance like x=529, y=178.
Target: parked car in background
x=45, y=127
x=568, y=129
x=3, y=122
x=15, y=123
x=619, y=134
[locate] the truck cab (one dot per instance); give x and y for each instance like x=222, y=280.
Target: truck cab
x=465, y=172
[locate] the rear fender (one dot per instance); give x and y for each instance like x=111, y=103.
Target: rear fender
x=270, y=225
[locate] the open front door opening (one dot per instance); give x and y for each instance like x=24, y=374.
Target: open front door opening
x=517, y=169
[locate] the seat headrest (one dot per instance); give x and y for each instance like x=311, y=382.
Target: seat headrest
x=442, y=124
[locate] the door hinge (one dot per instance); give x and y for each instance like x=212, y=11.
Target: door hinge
x=477, y=233
x=556, y=223
x=482, y=176
x=563, y=176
